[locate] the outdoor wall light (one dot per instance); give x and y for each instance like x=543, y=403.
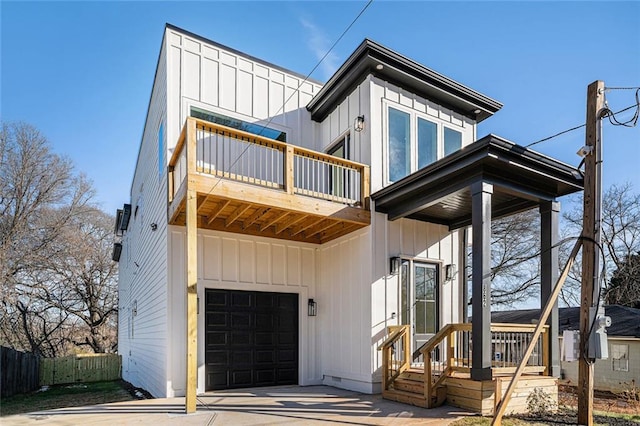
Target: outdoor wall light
x=449, y=272
x=312, y=308
x=394, y=265
x=358, y=124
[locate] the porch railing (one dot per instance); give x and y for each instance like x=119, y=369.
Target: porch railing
x=449, y=353
x=396, y=354
x=236, y=155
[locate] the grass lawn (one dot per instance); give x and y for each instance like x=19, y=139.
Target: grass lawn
x=62, y=396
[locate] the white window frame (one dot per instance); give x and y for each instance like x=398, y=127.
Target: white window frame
x=413, y=130
x=620, y=367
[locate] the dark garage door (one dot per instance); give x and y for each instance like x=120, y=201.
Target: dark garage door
x=251, y=339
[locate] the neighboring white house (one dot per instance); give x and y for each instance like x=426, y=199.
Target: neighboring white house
x=620, y=368
x=298, y=274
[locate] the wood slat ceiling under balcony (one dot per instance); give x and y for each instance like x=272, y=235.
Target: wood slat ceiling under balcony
x=238, y=216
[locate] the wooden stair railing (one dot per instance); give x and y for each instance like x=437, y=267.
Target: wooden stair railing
x=445, y=361
x=446, y=354
x=396, y=354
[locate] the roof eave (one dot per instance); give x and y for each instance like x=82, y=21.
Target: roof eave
x=405, y=73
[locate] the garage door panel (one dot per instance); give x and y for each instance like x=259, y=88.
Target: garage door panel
x=240, y=338
x=216, y=298
x=251, y=339
x=218, y=319
x=286, y=375
x=240, y=358
x=217, y=357
x=217, y=380
x=265, y=357
x=265, y=377
x=217, y=338
x=264, y=321
x=241, y=299
x=241, y=320
x=241, y=378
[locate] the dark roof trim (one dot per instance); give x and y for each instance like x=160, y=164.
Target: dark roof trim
x=238, y=52
x=404, y=72
x=490, y=146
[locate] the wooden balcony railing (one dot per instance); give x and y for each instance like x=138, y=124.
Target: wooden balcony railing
x=236, y=155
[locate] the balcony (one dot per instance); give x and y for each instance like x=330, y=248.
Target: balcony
x=254, y=185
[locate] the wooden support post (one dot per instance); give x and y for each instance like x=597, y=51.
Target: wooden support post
x=497, y=418
x=590, y=253
x=289, y=180
x=192, y=270
x=365, y=186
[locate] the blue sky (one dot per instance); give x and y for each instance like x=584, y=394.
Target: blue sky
x=82, y=71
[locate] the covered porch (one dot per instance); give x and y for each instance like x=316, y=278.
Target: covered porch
x=471, y=364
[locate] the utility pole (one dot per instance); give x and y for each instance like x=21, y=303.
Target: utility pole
x=590, y=247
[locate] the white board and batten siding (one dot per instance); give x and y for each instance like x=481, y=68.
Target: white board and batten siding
x=239, y=262
x=357, y=296
x=143, y=336
x=222, y=81
x=384, y=94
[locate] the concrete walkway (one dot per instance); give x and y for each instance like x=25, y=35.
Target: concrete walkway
x=285, y=405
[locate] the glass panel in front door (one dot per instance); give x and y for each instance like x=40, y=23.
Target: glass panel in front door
x=418, y=300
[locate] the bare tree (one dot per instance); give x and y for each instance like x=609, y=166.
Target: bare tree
x=620, y=235
x=515, y=266
x=45, y=211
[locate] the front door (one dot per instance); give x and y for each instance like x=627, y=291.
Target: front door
x=419, y=300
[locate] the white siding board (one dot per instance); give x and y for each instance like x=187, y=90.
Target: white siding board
x=191, y=75
x=247, y=261
x=210, y=81
x=228, y=87
x=263, y=256
x=293, y=266
x=229, y=259
x=260, y=97
x=245, y=93
x=278, y=256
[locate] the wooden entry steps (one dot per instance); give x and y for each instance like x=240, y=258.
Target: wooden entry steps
x=408, y=388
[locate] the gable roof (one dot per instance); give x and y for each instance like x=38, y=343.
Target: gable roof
x=373, y=58
x=625, y=321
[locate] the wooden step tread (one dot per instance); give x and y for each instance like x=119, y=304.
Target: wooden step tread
x=405, y=397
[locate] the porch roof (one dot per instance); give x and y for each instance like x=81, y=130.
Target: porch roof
x=440, y=192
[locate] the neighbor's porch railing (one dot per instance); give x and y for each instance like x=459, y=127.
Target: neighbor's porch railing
x=449, y=352
x=236, y=155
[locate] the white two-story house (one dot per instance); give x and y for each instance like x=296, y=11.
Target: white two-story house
x=279, y=229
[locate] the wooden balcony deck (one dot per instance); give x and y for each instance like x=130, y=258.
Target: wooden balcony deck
x=258, y=186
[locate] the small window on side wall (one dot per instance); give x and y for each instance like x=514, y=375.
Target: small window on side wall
x=619, y=357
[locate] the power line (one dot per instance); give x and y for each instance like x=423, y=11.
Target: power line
x=609, y=114
x=621, y=88
x=294, y=92
x=630, y=122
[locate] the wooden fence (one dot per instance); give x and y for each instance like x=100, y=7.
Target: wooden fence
x=19, y=372
x=80, y=368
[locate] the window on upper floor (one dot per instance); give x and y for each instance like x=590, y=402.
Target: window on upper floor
x=235, y=123
x=415, y=140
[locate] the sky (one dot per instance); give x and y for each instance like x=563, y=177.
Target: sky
x=81, y=72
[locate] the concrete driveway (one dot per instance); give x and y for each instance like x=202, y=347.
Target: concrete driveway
x=283, y=405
